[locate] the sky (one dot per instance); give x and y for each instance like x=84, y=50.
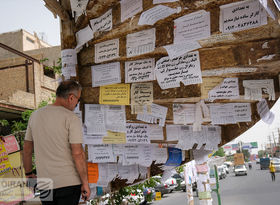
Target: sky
x=32, y=16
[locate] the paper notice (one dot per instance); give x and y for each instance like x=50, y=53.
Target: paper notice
x=141, y=94
x=156, y=116
x=225, y=71
x=183, y=113
x=194, y=26
x=186, y=138
x=68, y=57
x=114, y=138
x=163, y=1
x=159, y=154
x=11, y=144
x=213, y=134
x=277, y=4
x=185, y=69
x=174, y=157
x=151, y=16
x=172, y=132
x=130, y=8
x=268, y=10
x=201, y=156
x=146, y=155
x=118, y=152
x=94, y=119
x=140, y=42
x=266, y=115
x=241, y=16
x=106, y=51
x=131, y=154
x=222, y=114
x=255, y=88
x=102, y=23
x=102, y=153
x=68, y=71
x=115, y=118
x=156, y=132
x=137, y=133
x=117, y=94
x=228, y=89
x=78, y=7
x=83, y=36
x=93, y=139
x=209, y=84
x=140, y=70
x=106, y=74
x=92, y=172
x=176, y=50
x=242, y=112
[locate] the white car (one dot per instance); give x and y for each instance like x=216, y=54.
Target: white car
x=226, y=168
x=240, y=170
x=172, y=183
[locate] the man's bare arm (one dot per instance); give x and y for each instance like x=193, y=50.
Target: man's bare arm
x=27, y=156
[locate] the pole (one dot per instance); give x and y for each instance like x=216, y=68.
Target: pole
x=217, y=186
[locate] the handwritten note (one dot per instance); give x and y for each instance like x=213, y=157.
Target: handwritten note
x=68, y=57
x=106, y=74
x=140, y=70
x=106, y=51
x=157, y=115
x=228, y=89
x=83, y=36
x=140, y=42
x=185, y=69
x=78, y=7
x=241, y=16
x=194, y=26
x=114, y=138
x=176, y=50
x=102, y=23
x=242, y=112
x=141, y=94
x=266, y=115
x=151, y=16
x=183, y=113
x=102, y=153
x=117, y=94
x=137, y=133
x=255, y=88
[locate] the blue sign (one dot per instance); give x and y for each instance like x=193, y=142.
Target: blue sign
x=175, y=157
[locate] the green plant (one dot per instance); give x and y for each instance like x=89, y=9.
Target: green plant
x=4, y=123
x=55, y=69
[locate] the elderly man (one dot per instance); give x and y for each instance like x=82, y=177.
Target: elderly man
x=55, y=134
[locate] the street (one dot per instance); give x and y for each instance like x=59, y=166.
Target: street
x=254, y=189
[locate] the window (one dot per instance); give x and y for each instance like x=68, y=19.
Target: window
x=30, y=40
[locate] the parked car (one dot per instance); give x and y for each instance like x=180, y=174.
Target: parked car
x=162, y=188
x=226, y=168
x=240, y=170
x=172, y=182
x=221, y=172
x=194, y=187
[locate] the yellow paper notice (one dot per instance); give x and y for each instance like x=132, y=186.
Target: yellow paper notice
x=5, y=165
x=208, y=84
x=117, y=94
x=114, y=138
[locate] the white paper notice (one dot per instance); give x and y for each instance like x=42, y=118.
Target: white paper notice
x=137, y=133
x=183, y=113
x=157, y=115
x=156, y=132
x=151, y=16
x=241, y=16
x=94, y=119
x=201, y=156
x=68, y=57
x=145, y=153
x=140, y=70
x=106, y=51
x=213, y=134
x=194, y=26
x=266, y=115
x=159, y=154
x=78, y=7
x=102, y=153
x=115, y=118
x=106, y=74
x=83, y=36
x=69, y=71
x=172, y=132
x=255, y=88
x=140, y=42
x=268, y=10
x=130, y=8
x=102, y=23
x=93, y=139
x=185, y=69
x=163, y=1
x=222, y=114
x=242, y=112
x=277, y=4
x=228, y=89
x=176, y=50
